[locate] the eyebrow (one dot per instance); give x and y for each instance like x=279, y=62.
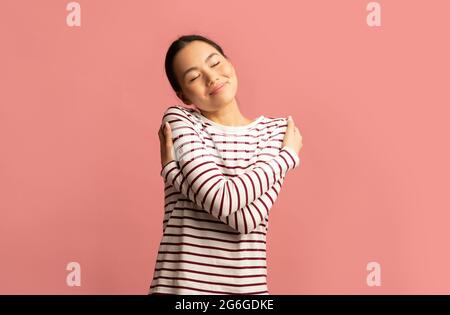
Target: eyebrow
x=193, y=68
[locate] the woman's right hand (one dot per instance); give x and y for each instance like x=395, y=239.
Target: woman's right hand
x=166, y=144
x=292, y=138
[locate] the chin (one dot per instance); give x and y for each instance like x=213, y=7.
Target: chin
x=223, y=100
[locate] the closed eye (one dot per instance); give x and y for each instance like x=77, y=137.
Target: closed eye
x=211, y=67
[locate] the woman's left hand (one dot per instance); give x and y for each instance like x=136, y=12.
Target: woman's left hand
x=166, y=144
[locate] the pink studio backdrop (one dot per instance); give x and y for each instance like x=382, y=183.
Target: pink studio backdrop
x=80, y=109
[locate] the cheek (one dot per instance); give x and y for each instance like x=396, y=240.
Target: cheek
x=196, y=90
x=231, y=75
x=226, y=70
x=229, y=71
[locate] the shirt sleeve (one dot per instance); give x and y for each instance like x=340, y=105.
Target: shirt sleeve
x=206, y=186
x=248, y=218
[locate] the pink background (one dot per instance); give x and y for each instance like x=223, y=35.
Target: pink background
x=80, y=110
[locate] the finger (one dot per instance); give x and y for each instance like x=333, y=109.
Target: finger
x=290, y=124
x=168, y=134
x=160, y=134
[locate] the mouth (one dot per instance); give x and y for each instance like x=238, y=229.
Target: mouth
x=217, y=89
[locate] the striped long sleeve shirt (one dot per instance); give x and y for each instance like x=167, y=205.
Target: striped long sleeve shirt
x=218, y=191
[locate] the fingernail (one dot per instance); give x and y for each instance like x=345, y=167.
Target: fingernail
x=166, y=125
x=290, y=117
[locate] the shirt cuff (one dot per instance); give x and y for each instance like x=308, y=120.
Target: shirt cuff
x=166, y=167
x=293, y=154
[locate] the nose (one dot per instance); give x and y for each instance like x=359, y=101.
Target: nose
x=212, y=82
x=212, y=78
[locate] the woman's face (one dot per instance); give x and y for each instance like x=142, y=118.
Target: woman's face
x=200, y=68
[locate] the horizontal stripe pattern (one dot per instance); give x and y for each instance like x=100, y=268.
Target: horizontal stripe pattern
x=218, y=194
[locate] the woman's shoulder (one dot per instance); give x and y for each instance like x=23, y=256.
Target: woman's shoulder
x=179, y=109
x=276, y=119
x=181, y=112
x=275, y=122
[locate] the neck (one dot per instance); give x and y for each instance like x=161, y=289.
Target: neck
x=228, y=115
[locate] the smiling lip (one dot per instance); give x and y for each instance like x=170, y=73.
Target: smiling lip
x=217, y=89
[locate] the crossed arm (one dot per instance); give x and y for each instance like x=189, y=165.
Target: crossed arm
x=246, y=219
x=242, y=201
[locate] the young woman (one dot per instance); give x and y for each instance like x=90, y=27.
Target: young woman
x=222, y=174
